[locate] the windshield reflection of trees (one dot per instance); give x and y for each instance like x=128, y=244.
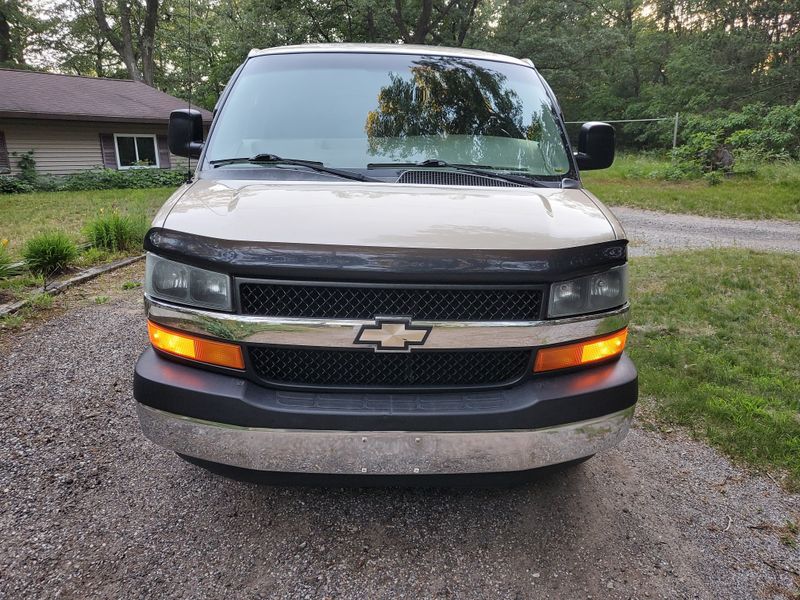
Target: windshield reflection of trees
x=448, y=96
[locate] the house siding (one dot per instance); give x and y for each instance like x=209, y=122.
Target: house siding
x=65, y=147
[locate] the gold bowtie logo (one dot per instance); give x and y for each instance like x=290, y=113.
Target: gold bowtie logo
x=392, y=334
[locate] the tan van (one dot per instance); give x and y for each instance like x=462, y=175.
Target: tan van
x=385, y=264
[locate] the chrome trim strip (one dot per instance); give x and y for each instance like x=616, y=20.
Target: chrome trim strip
x=341, y=333
x=382, y=452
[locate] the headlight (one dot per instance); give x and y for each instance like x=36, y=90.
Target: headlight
x=177, y=282
x=589, y=294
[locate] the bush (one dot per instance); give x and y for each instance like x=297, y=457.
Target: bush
x=107, y=179
x=96, y=179
x=49, y=253
x=13, y=185
x=27, y=167
x=115, y=232
x=713, y=178
x=5, y=262
x=759, y=130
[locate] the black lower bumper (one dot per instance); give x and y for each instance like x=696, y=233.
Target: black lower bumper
x=539, y=402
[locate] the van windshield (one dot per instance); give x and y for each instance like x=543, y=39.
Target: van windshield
x=370, y=110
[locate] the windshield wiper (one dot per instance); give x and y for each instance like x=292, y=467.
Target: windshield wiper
x=272, y=159
x=435, y=162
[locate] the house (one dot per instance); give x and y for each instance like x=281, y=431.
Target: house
x=75, y=123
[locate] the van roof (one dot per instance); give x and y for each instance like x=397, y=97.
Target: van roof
x=392, y=49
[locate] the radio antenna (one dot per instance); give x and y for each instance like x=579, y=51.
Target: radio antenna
x=189, y=69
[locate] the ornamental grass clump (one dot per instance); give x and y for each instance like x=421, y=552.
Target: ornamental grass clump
x=6, y=270
x=49, y=253
x=117, y=233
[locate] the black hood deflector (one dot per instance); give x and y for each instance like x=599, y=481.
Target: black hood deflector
x=383, y=264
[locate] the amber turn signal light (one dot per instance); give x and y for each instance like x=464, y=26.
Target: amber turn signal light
x=195, y=348
x=582, y=353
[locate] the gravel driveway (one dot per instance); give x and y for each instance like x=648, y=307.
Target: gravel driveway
x=652, y=232
x=90, y=509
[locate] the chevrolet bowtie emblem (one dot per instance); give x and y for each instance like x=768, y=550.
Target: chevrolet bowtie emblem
x=392, y=334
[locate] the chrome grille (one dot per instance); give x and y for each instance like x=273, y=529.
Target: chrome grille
x=368, y=301
x=368, y=369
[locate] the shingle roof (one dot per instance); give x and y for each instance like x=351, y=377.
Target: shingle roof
x=52, y=96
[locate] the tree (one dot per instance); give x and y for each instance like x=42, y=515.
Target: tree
x=134, y=43
x=604, y=58
x=20, y=31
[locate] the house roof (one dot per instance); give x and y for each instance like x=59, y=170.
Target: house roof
x=34, y=95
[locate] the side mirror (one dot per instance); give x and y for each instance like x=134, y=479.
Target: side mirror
x=595, y=146
x=185, y=133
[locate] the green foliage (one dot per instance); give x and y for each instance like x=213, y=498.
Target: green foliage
x=696, y=155
x=49, y=253
x=117, y=233
x=24, y=32
x=717, y=344
x=25, y=215
x=6, y=270
x=93, y=256
x=605, y=60
x=755, y=190
x=106, y=179
x=27, y=167
x=14, y=185
x=757, y=130
x=95, y=179
x=41, y=301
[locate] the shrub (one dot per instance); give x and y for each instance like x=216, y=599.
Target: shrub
x=6, y=269
x=760, y=130
x=95, y=179
x=713, y=178
x=765, y=144
x=93, y=256
x=115, y=232
x=27, y=167
x=13, y=185
x=695, y=157
x=107, y=179
x=49, y=253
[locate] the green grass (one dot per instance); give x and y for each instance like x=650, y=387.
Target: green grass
x=716, y=338
x=24, y=215
x=756, y=192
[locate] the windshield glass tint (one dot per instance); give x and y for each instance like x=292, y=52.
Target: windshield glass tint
x=349, y=110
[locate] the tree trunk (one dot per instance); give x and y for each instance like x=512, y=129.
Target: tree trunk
x=372, y=32
x=126, y=51
x=147, y=41
x=98, y=58
x=132, y=45
x=122, y=45
x=467, y=23
x=5, y=37
x=423, y=24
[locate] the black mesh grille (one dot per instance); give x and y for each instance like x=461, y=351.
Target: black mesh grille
x=357, y=368
x=366, y=302
x=451, y=178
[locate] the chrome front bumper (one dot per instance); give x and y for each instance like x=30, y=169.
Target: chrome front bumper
x=382, y=452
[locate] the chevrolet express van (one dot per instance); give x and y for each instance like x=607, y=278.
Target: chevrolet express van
x=385, y=264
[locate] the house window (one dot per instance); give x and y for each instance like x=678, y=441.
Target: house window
x=136, y=151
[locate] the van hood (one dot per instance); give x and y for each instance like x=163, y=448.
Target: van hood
x=388, y=215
